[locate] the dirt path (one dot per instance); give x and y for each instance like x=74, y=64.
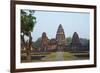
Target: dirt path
x=59, y=56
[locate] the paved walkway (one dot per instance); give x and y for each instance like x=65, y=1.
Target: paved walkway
x=59, y=56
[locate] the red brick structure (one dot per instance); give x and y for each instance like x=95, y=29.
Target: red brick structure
x=57, y=43
x=44, y=42
x=60, y=38
x=76, y=44
x=75, y=39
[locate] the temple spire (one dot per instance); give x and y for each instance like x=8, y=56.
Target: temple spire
x=75, y=39
x=44, y=42
x=60, y=37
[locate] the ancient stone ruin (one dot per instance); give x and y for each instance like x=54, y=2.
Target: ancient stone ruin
x=76, y=44
x=44, y=42
x=75, y=39
x=59, y=43
x=60, y=38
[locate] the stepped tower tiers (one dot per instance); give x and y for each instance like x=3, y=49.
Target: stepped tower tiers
x=44, y=42
x=60, y=37
x=76, y=44
x=75, y=39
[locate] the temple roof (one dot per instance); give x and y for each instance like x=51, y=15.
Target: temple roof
x=60, y=29
x=60, y=26
x=75, y=38
x=43, y=34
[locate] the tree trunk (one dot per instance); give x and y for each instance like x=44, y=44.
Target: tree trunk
x=29, y=45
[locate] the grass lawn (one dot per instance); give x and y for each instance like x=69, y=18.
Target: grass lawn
x=52, y=56
x=48, y=57
x=68, y=56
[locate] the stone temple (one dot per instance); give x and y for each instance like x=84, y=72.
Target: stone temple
x=44, y=41
x=60, y=38
x=59, y=43
x=76, y=44
x=75, y=39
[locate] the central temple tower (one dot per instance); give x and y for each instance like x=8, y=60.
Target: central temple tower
x=60, y=38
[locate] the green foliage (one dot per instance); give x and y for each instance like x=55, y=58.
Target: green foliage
x=27, y=21
x=69, y=40
x=37, y=43
x=27, y=24
x=84, y=41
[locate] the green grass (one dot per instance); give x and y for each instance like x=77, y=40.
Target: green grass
x=50, y=57
x=68, y=56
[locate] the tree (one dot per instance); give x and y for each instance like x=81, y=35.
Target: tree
x=27, y=21
x=37, y=43
x=69, y=40
x=84, y=41
x=27, y=25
